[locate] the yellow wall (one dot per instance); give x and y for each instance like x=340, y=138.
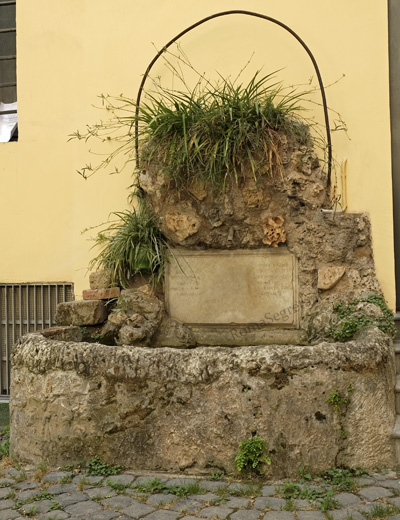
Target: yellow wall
x=70, y=51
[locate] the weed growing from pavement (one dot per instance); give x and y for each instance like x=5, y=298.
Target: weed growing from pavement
x=383, y=511
x=218, y=475
x=158, y=486
x=344, y=479
x=117, y=486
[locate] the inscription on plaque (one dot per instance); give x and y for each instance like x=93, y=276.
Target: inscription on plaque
x=233, y=287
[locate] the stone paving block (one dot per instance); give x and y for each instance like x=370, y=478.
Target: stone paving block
x=101, y=492
x=300, y=503
x=344, y=514
x=11, y=472
x=8, y=514
x=27, y=484
x=56, y=476
x=211, y=485
x=5, y=491
x=87, y=480
x=6, y=482
x=124, y=479
x=268, y=491
x=56, y=515
x=364, y=508
x=237, y=486
x=278, y=515
x=143, y=480
x=269, y=503
x=391, y=484
x=181, y=481
x=237, y=502
x=84, y=509
x=106, y=515
x=163, y=514
x=28, y=494
x=373, y=492
x=67, y=499
x=188, y=505
x=7, y=504
x=366, y=481
x=58, y=489
x=118, y=502
x=385, y=476
x=394, y=517
x=310, y=515
x=245, y=514
x=42, y=506
x=395, y=501
x=206, y=497
x=161, y=499
x=137, y=510
x=221, y=512
x=347, y=499
x=189, y=518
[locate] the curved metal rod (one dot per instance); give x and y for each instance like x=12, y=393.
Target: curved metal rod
x=248, y=13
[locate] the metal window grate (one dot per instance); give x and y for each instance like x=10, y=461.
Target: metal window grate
x=25, y=308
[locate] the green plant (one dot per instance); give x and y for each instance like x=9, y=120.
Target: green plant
x=5, y=430
x=132, y=244
x=247, y=490
x=5, y=448
x=55, y=506
x=117, y=486
x=65, y=479
x=289, y=506
x=383, y=511
x=206, y=134
x=218, y=475
x=344, y=479
x=328, y=502
x=252, y=453
x=337, y=400
x=31, y=512
x=305, y=474
x=352, y=320
x=98, y=467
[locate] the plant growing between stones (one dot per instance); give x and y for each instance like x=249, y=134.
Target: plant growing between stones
x=98, y=467
x=351, y=320
x=337, y=400
x=130, y=245
x=252, y=453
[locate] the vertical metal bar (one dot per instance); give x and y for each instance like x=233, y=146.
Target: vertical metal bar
x=21, y=318
x=1, y=329
x=28, y=309
x=34, y=309
x=42, y=305
x=14, y=325
x=50, y=307
x=3, y=350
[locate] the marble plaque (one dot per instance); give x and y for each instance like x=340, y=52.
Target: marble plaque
x=233, y=287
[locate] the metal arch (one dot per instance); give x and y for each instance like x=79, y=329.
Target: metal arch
x=248, y=13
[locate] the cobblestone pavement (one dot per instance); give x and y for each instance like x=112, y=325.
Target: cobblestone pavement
x=72, y=495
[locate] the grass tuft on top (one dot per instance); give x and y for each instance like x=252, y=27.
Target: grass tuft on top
x=206, y=134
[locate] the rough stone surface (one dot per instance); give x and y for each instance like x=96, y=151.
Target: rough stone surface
x=129, y=404
x=328, y=276
x=136, y=317
x=100, y=279
x=63, y=333
x=81, y=313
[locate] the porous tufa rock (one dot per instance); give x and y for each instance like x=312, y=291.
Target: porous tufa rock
x=182, y=225
x=274, y=232
x=101, y=279
x=167, y=409
x=81, y=313
x=328, y=276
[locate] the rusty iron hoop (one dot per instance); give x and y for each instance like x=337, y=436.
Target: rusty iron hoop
x=248, y=13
